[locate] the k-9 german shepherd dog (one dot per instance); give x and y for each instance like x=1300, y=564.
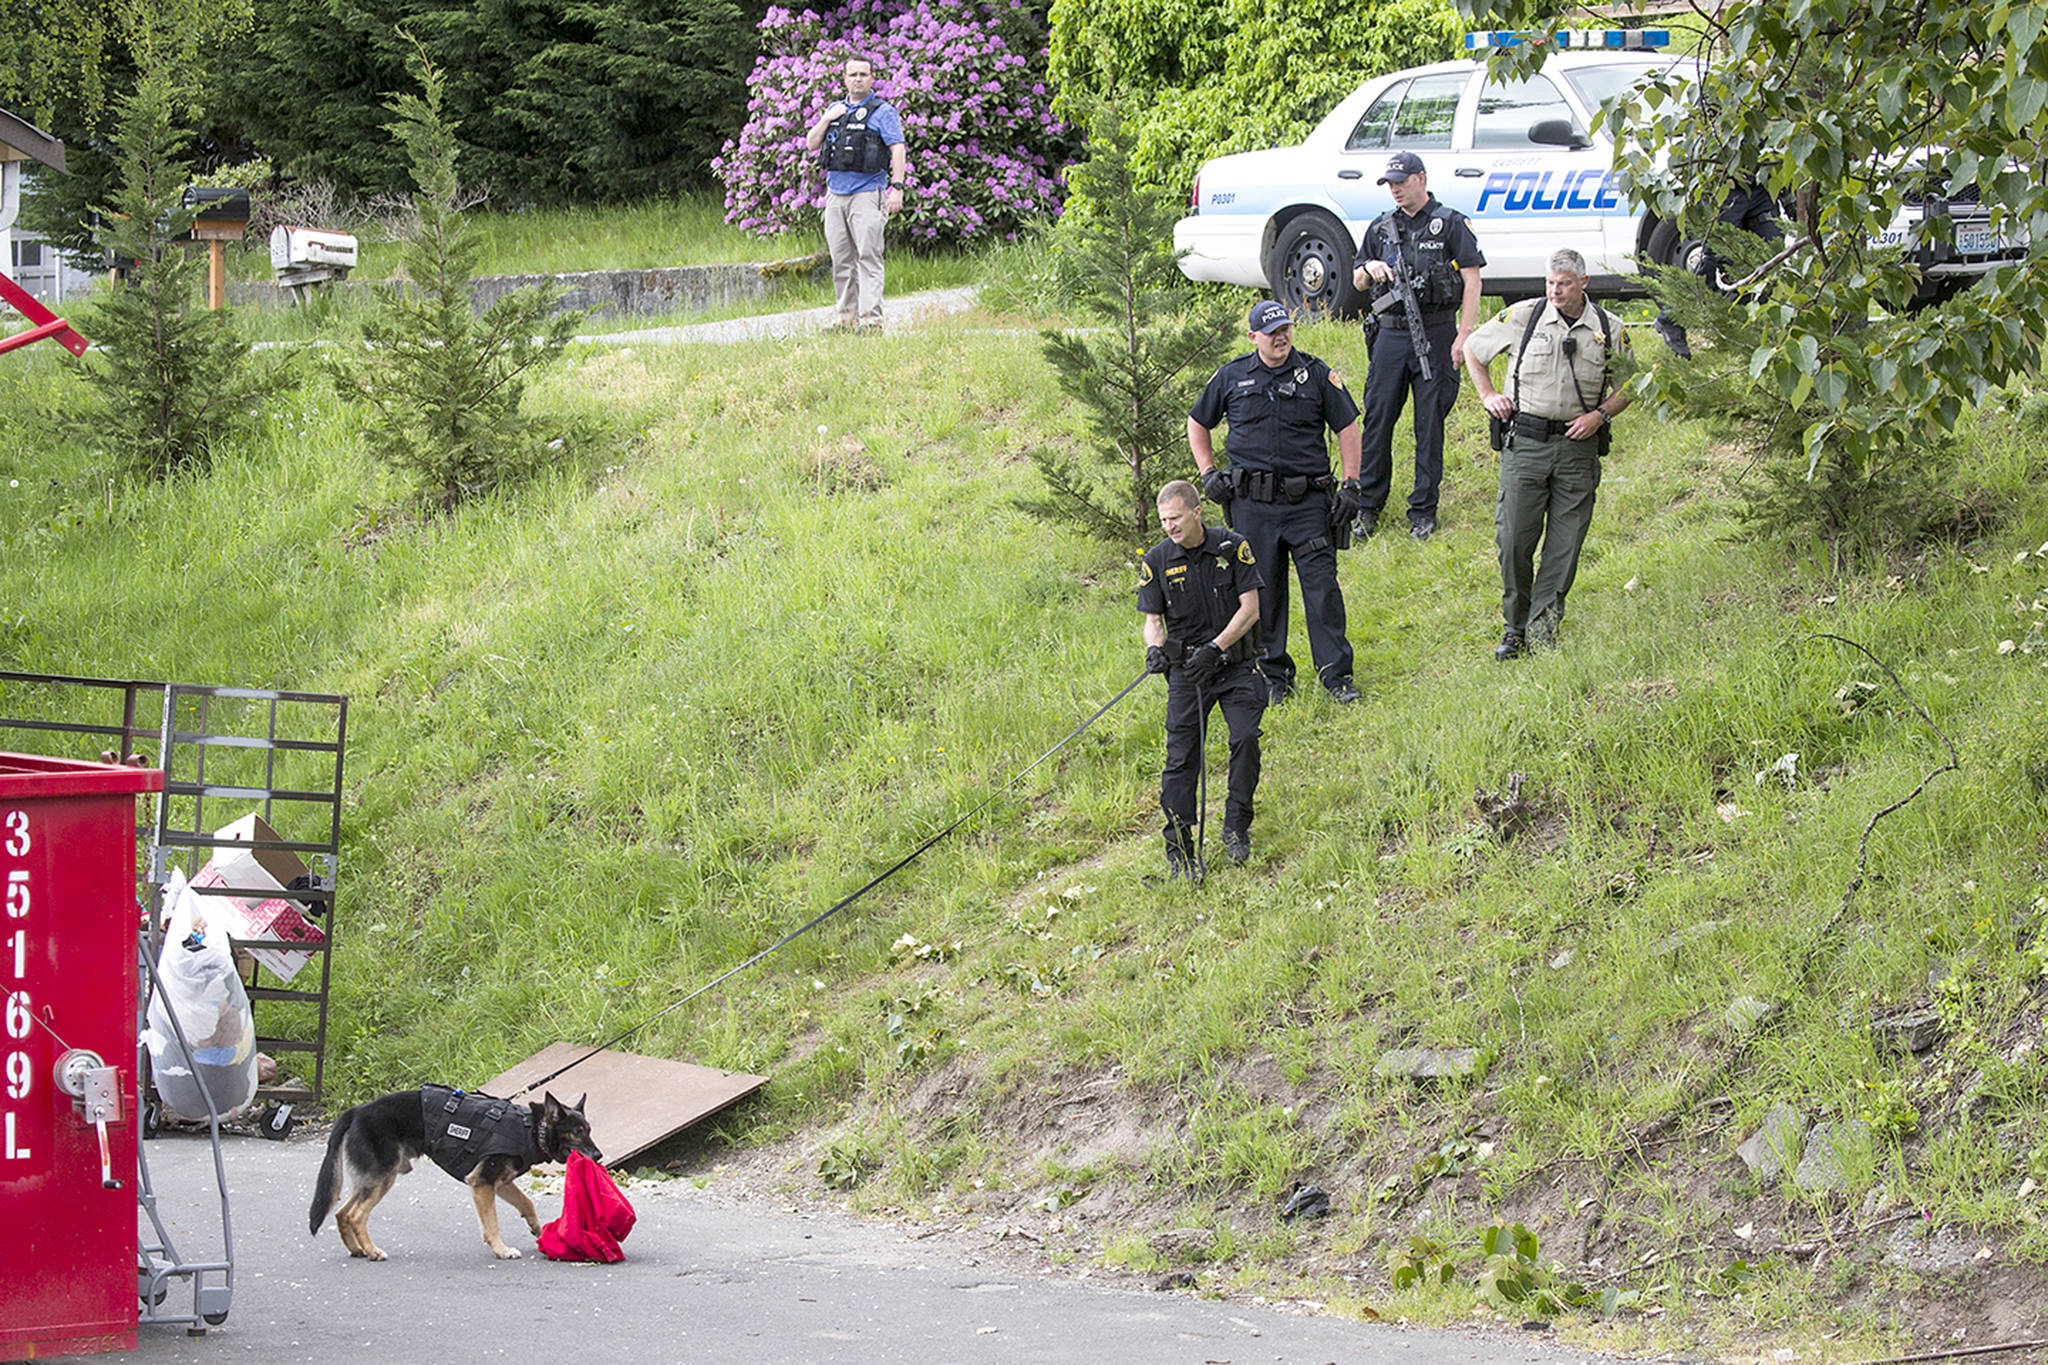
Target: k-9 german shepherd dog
x=486, y=1143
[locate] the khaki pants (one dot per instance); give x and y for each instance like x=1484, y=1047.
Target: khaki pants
x=853, y=230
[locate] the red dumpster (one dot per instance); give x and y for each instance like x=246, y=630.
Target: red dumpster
x=68, y=925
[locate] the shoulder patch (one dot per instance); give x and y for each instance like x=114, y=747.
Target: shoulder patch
x=1244, y=552
x=1144, y=572
x=1336, y=379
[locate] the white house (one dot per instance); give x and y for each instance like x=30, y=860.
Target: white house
x=30, y=261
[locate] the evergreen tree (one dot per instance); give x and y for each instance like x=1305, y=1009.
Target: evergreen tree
x=308, y=89
x=1853, y=500
x=171, y=380
x=1138, y=372
x=443, y=384
x=623, y=101
x=557, y=100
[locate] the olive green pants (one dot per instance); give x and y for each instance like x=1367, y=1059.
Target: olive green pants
x=1547, y=492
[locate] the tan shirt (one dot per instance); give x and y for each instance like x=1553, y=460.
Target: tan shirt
x=1547, y=374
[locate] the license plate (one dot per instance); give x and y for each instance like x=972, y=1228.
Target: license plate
x=1978, y=241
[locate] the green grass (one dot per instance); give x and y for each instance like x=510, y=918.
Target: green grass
x=690, y=230
x=613, y=733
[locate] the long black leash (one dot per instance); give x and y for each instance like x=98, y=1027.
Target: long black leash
x=873, y=882
x=1201, y=867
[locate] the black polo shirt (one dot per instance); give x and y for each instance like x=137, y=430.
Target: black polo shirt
x=1198, y=590
x=1276, y=417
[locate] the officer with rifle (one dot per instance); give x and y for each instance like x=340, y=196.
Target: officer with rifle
x=1423, y=263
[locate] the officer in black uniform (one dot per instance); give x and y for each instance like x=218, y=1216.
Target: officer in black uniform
x=1199, y=590
x=1436, y=248
x=1277, y=492
x=1748, y=207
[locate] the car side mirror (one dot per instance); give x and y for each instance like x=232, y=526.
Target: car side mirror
x=1558, y=132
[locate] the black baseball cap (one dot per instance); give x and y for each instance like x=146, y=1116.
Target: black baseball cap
x=1268, y=316
x=1400, y=166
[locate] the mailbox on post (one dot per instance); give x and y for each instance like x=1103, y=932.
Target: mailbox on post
x=221, y=216
x=68, y=924
x=304, y=256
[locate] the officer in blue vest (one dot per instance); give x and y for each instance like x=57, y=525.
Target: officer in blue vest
x=1278, y=493
x=1434, y=247
x=860, y=143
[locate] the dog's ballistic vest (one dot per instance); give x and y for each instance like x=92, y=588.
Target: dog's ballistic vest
x=463, y=1129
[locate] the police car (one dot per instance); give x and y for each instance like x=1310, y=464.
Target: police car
x=1527, y=158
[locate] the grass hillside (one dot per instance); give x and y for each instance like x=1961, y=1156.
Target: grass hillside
x=774, y=619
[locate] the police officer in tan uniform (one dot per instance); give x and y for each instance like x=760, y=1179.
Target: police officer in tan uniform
x=1568, y=359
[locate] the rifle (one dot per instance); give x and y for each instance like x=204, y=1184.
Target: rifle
x=1402, y=289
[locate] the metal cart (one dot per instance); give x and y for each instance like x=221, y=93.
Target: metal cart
x=273, y=755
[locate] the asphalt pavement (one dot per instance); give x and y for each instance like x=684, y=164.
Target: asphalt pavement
x=706, y=1278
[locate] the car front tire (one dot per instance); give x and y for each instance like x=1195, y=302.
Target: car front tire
x=1310, y=268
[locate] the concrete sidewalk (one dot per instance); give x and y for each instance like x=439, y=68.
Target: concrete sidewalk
x=898, y=314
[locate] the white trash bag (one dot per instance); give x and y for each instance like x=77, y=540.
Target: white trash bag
x=196, y=981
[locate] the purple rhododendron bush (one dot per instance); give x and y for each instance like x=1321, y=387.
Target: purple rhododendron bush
x=984, y=147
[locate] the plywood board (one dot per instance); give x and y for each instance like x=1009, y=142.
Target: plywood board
x=634, y=1101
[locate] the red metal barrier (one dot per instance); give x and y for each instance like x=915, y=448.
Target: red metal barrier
x=68, y=926
x=47, y=324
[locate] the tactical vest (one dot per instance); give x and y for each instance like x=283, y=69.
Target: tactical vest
x=850, y=145
x=463, y=1129
x=1438, y=285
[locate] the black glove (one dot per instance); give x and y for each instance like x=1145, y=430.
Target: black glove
x=1218, y=485
x=1155, y=659
x=1350, y=500
x=1203, y=661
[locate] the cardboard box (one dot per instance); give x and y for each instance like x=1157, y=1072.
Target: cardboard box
x=260, y=917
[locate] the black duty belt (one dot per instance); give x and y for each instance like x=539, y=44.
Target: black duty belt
x=1398, y=320
x=1263, y=485
x=1540, y=428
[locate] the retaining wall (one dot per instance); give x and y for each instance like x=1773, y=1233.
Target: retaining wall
x=609, y=294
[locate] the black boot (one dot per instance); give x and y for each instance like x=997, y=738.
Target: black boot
x=1181, y=862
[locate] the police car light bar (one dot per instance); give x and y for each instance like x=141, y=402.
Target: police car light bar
x=1614, y=39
